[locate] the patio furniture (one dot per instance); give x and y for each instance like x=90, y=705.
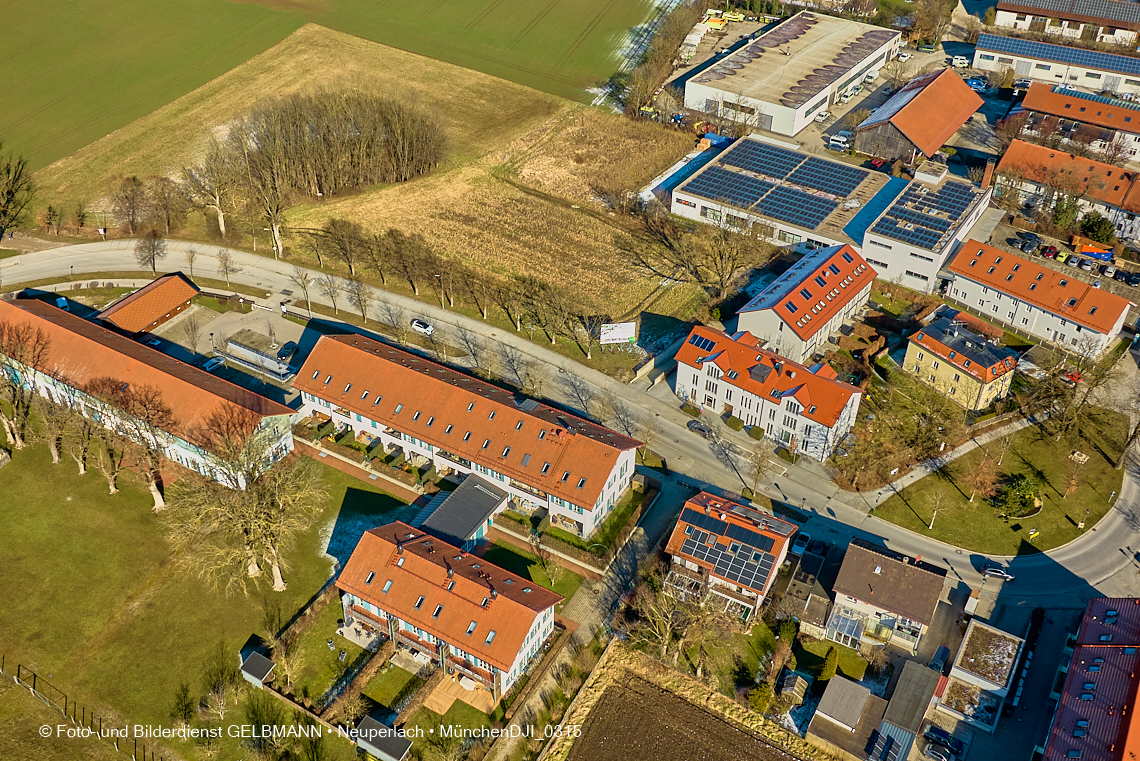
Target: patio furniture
x=342, y=656
x=331, y=645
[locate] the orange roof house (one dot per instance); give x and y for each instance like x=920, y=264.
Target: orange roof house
x=919, y=118
x=519, y=438
x=1076, y=106
x=443, y=602
x=151, y=305
x=1085, y=178
x=733, y=550
x=79, y=351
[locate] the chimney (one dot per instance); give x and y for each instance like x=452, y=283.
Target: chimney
x=988, y=177
x=400, y=548
x=494, y=593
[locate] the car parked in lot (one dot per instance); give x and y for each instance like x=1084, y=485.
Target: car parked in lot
x=818, y=547
x=1062, y=257
x=960, y=62
x=154, y=343
x=1074, y=261
x=801, y=543
x=1028, y=235
x=822, y=116
x=940, y=736
x=936, y=752
x=904, y=55
x=1028, y=246
x=422, y=327
x=1134, y=279
x=1107, y=270
x=1121, y=275
x=1049, y=251
x=1086, y=265
x=213, y=364
x=926, y=49
x=997, y=572
x=1022, y=84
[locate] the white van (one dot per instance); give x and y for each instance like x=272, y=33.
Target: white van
x=872, y=75
x=839, y=143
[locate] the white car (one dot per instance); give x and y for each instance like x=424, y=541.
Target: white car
x=801, y=543
x=904, y=55
x=961, y=62
x=422, y=327
x=823, y=116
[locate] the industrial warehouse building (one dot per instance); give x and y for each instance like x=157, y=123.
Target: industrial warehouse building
x=1091, y=20
x=1059, y=64
x=791, y=73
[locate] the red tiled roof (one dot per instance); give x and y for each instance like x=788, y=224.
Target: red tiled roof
x=1044, y=288
x=510, y=611
x=1114, y=114
x=747, y=366
x=1106, y=655
x=1081, y=177
x=734, y=514
x=81, y=351
x=431, y=397
x=844, y=274
x=942, y=106
x=149, y=304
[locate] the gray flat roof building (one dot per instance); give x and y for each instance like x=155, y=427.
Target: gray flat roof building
x=462, y=517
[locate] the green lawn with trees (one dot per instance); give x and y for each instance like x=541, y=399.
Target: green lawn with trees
x=530, y=566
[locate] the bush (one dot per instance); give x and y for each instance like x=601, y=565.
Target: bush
x=760, y=698
x=690, y=410
x=756, y=432
x=734, y=423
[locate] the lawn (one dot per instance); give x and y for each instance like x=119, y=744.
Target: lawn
x=975, y=526
x=737, y=658
x=811, y=654
x=611, y=527
x=386, y=686
x=526, y=565
x=459, y=715
x=320, y=665
x=889, y=304
x=106, y=612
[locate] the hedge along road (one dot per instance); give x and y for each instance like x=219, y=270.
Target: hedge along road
x=1103, y=558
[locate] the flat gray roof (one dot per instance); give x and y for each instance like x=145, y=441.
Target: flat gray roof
x=465, y=509
x=843, y=701
x=381, y=740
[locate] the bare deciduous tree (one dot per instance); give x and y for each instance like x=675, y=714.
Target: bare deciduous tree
x=476, y=348
x=192, y=325
x=227, y=265
x=331, y=287
x=393, y=314
x=16, y=190
x=24, y=351
x=213, y=183
x=149, y=249
x=168, y=202
x=191, y=256
x=360, y=296
x=129, y=202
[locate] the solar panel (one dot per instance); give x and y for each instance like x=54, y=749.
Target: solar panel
x=702, y=343
x=919, y=236
x=718, y=184
x=828, y=176
x=1091, y=59
x=796, y=206
x=740, y=567
x=761, y=158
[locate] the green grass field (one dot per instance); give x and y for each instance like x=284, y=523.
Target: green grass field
x=74, y=76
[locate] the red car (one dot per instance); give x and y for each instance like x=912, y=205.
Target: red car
x=1072, y=376
x=877, y=163
x=1049, y=252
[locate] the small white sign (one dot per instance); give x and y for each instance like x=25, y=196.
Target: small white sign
x=618, y=333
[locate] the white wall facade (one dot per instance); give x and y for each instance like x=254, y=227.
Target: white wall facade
x=1073, y=29
x=1126, y=223
x=1057, y=73
x=780, y=233
x=584, y=518
x=782, y=339
x=1052, y=328
x=910, y=266
x=781, y=419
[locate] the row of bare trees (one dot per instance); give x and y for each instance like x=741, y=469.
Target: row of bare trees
x=226, y=525
x=308, y=146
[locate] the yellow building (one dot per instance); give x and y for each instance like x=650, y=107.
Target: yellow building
x=958, y=362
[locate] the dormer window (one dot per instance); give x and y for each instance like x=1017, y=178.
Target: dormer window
x=327, y=379
x=471, y=628
x=581, y=482
x=518, y=425
x=364, y=396
x=486, y=443
x=448, y=428
x=545, y=468
x=371, y=576
x=430, y=421
x=491, y=416
x=467, y=436
x=398, y=408
x=346, y=388
x=506, y=451
x=437, y=611
x=471, y=406
x=316, y=374
x=416, y=416
x=565, y=476
x=419, y=603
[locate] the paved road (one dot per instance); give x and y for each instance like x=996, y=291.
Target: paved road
x=1101, y=560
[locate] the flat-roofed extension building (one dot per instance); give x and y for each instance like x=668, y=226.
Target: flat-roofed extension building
x=1049, y=305
x=542, y=457
x=1091, y=20
x=1058, y=64
x=726, y=554
x=797, y=312
x=468, y=615
x=789, y=74
x=803, y=408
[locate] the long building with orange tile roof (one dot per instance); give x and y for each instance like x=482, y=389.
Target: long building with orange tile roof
x=150, y=306
x=1052, y=306
x=803, y=306
x=803, y=408
x=471, y=617
x=80, y=356
x=724, y=550
x=543, y=457
x=1038, y=174
x=1073, y=114
x=919, y=118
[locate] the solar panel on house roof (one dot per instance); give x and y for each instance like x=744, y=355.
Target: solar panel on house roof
x=796, y=206
x=1091, y=59
x=718, y=184
x=702, y=343
x=762, y=158
x=919, y=236
x=828, y=176
x=752, y=562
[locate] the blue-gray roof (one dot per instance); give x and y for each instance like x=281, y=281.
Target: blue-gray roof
x=1123, y=12
x=1045, y=51
x=466, y=509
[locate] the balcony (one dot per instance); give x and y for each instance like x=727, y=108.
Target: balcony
x=367, y=618
x=480, y=675
x=453, y=458
x=417, y=643
x=529, y=489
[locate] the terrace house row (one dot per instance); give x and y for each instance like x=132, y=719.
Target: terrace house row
x=469, y=616
x=544, y=458
x=78, y=353
x=1042, y=302
x=802, y=408
x=1071, y=114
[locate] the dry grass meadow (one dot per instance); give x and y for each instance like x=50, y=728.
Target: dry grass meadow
x=514, y=195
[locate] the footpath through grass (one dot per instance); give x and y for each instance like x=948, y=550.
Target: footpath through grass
x=976, y=526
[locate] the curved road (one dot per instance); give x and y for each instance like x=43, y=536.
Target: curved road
x=1100, y=562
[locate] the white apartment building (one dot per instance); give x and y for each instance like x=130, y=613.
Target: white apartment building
x=542, y=457
x=1059, y=64
x=1052, y=306
x=805, y=409
x=1090, y=20
x=797, y=312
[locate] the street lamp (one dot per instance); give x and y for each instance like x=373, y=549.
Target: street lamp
x=213, y=350
x=71, y=276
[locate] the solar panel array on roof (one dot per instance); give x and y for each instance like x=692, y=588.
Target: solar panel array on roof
x=796, y=206
x=1091, y=59
x=718, y=184
x=751, y=563
x=702, y=343
x=1109, y=10
x=762, y=158
x=923, y=217
x=828, y=176
x=884, y=748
